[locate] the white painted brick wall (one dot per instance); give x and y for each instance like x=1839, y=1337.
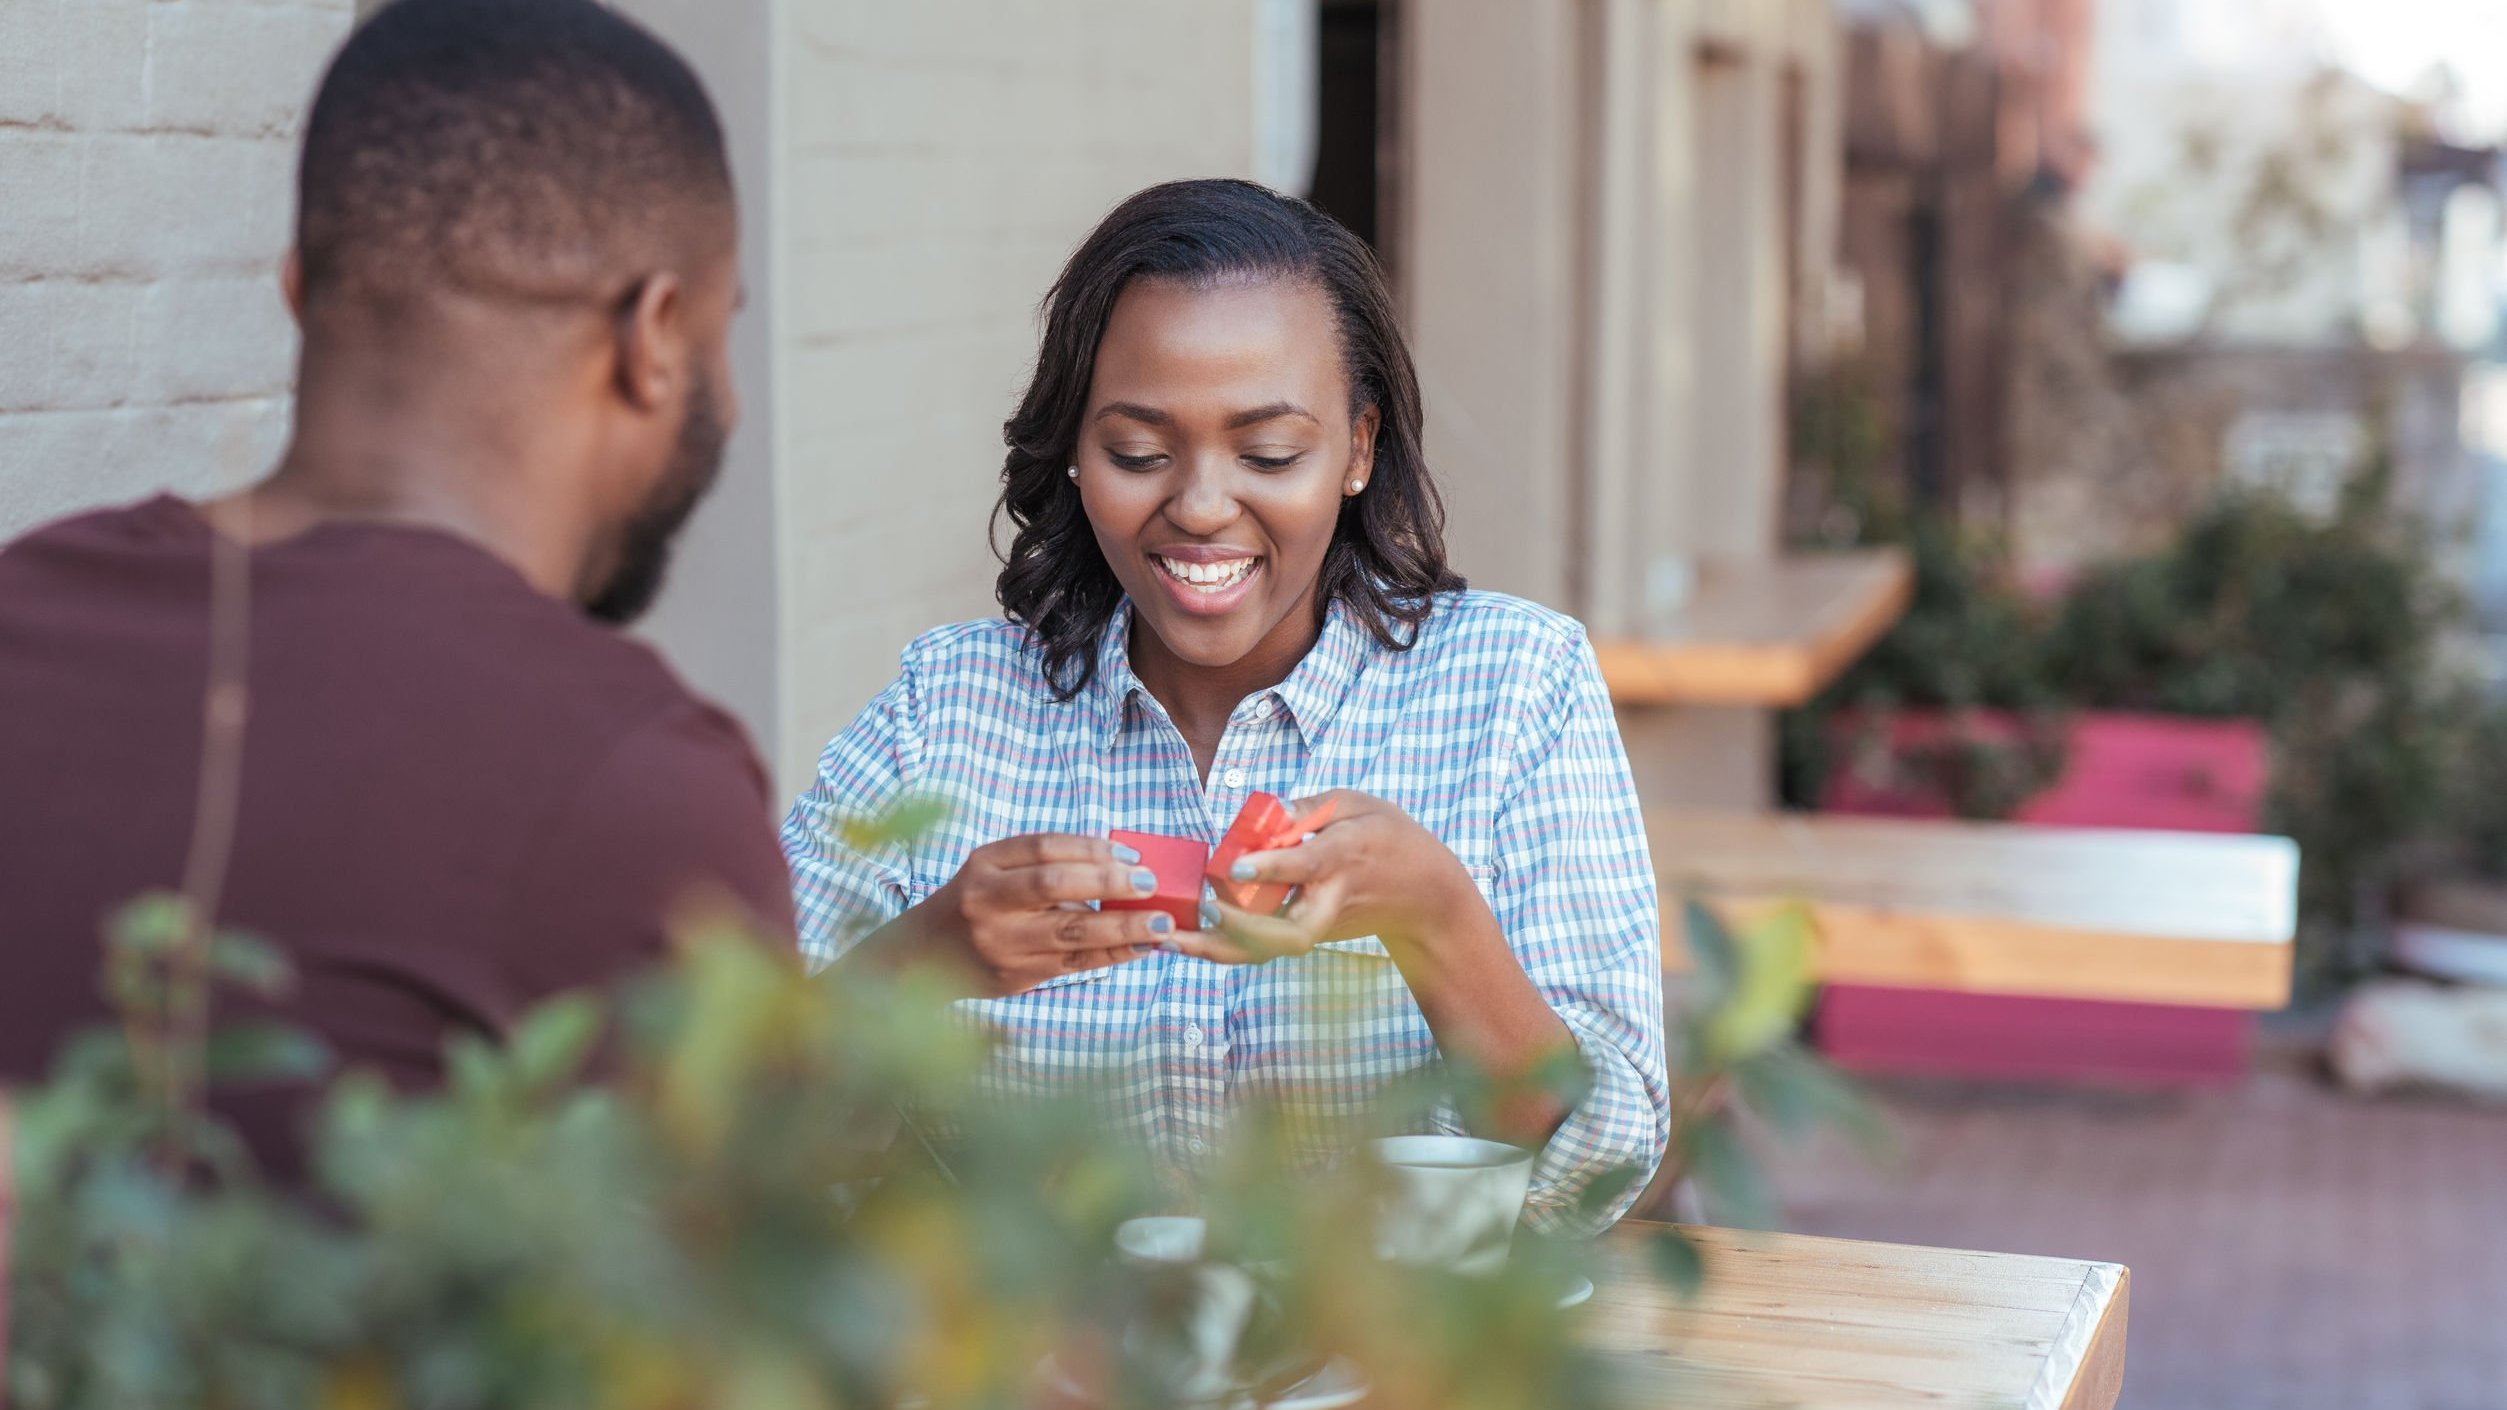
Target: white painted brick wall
x=938, y=160
x=147, y=152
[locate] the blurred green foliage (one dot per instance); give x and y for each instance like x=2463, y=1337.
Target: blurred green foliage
x=1970, y=650
x=1739, y=1066
x=786, y=1193
x=2329, y=630
x=2473, y=838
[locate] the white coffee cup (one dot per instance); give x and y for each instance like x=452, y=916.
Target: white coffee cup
x=1451, y=1201
x=1221, y=1300
x=1161, y=1239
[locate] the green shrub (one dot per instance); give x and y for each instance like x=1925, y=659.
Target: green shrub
x=792, y=1193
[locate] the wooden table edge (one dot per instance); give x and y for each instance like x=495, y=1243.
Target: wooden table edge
x=2090, y=1373
x=1769, y=674
x=2082, y=1367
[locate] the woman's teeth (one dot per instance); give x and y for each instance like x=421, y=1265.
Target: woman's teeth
x=1208, y=577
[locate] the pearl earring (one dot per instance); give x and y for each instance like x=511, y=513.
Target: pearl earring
x=1357, y=485
x=1074, y=472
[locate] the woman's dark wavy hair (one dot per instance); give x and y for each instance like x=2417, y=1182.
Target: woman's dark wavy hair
x=1387, y=558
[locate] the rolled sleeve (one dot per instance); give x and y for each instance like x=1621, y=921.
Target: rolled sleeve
x=1575, y=894
x=842, y=891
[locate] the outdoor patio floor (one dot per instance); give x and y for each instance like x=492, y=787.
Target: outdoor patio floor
x=2292, y=1247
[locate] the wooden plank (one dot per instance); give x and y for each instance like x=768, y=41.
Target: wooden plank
x=1824, y=1324
x=1999, y=908
x=1771, y=633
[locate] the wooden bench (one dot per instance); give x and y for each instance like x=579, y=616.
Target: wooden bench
x=2197, y=919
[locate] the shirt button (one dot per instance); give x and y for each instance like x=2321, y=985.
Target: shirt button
x=1233, y=778
x=1196, y=1145
x=1192, y=1035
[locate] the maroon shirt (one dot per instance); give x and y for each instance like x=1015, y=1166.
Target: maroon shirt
x=460, y=796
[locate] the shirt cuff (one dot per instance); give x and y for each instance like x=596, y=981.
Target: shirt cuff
x=1619, y=1125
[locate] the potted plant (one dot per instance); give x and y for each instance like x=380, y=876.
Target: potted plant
x=2267, y=670
x=2450, y=913
x=2329, y=633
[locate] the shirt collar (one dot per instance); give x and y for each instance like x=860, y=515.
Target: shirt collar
x=1110, y=692
x=1312, y=694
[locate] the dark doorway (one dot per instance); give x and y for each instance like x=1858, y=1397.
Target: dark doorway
x=1356, y=154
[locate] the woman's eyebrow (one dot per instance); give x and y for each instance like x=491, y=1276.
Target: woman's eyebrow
x=1151, y=416
x=1273, y=412
x=1134, y=411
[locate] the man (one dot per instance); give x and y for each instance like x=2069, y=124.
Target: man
x=460, y=791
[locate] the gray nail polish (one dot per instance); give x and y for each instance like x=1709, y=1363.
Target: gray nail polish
x=1209, y=916
x=1145, y=882
x=1143, y=951
x=1160, y=923
x=1126, y=855
x=1242, y=871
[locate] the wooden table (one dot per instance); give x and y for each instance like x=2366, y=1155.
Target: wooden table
x=1695, y=693
x=1770, y=633
x=2202, y=919
x=1833, y=1324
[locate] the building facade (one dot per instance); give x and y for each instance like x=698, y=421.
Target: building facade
x=1611, y=224
x=146, y=150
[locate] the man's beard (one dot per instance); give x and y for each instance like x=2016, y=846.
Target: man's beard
x=644, y=543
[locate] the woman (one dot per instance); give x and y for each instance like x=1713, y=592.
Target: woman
x=1228, y=575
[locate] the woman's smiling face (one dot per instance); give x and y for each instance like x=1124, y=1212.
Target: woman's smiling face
x=1215, y=452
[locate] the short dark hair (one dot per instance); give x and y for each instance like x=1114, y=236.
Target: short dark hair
x=521, y=149
x=1386, y=561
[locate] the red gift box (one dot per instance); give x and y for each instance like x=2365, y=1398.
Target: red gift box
x=1178, y=862
x=1263, y=825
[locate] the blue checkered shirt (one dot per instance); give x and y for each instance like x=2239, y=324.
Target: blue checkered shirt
x=1493, y=731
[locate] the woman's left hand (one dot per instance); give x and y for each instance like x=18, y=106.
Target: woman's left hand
x=1372, y=870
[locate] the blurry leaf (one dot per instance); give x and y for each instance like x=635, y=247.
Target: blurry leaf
x=1727, y=1175
x=550, y=1044
x=760, y=1379
x=137, y=940
x=133, y=984
x=362, y=1383
x=1562, y=1075
x=251, y=964
x=899, y=824
x=1718, y=963
x=1797, y=1094
x=1603, y=1193
x=472, y=1068
x=1774, y=986
x=733, y=992
x=1676, y=1260
x=96, y=1056
x=264, y=1052
x=151, y=925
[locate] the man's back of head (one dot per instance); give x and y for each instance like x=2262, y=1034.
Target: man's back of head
x=515, y=269
x=527, y=151
x=458, y=793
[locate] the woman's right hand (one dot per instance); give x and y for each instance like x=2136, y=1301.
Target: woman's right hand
x=1017, y=912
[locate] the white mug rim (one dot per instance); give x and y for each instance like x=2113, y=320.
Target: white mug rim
x=1129, y=1234
x=1475, y=1152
